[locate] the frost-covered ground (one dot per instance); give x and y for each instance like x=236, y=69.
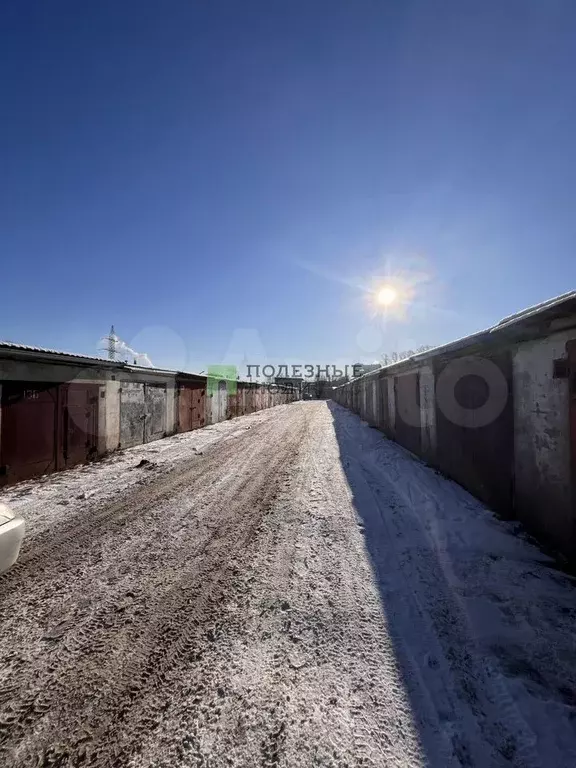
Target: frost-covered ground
x=45, y=500
x=285, y=589
x=484, y=625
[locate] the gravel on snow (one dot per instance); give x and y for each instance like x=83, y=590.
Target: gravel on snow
x=284, y=589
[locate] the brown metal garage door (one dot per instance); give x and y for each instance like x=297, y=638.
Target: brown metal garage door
x=191, y=408
x=29, y=430
x=481, y=458
x=46, y=427
x=79, y=409
x=407, y=398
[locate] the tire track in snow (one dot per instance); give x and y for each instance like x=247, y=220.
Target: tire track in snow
x=244, y=487
x=230, y=614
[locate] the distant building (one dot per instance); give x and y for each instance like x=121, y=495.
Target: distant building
x=286, y=381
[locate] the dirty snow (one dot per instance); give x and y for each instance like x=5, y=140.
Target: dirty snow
x=42, y=501
x=286, y=589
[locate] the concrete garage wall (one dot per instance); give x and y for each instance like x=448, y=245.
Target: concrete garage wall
x=542, y=439
x=506, y=430
x=110, y=405
x=15, y=370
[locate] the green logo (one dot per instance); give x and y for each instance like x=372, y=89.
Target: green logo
x=222, y=373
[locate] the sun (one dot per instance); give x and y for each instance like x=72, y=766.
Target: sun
x=386, y=296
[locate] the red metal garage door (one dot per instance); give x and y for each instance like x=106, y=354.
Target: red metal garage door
x=29, y=430
x=46, y=427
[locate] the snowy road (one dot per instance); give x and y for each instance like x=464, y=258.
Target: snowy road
x=285, y=589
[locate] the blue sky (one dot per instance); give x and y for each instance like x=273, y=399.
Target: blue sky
x=202, y=173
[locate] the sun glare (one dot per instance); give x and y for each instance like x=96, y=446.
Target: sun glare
x=386, y=296
x=392, y=294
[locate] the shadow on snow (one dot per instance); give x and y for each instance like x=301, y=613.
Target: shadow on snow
x=458, y=591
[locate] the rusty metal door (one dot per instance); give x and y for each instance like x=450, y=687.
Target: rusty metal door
x=132, y=414
x=232, y=406
x=184, y=409
x=240, y=400
x=155, y=402
x=29, y=430
x=79, y=433
x=191, y=408
x=198, y=407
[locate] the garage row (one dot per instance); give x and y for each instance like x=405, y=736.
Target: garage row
x=495, y=411
x=59, y=410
